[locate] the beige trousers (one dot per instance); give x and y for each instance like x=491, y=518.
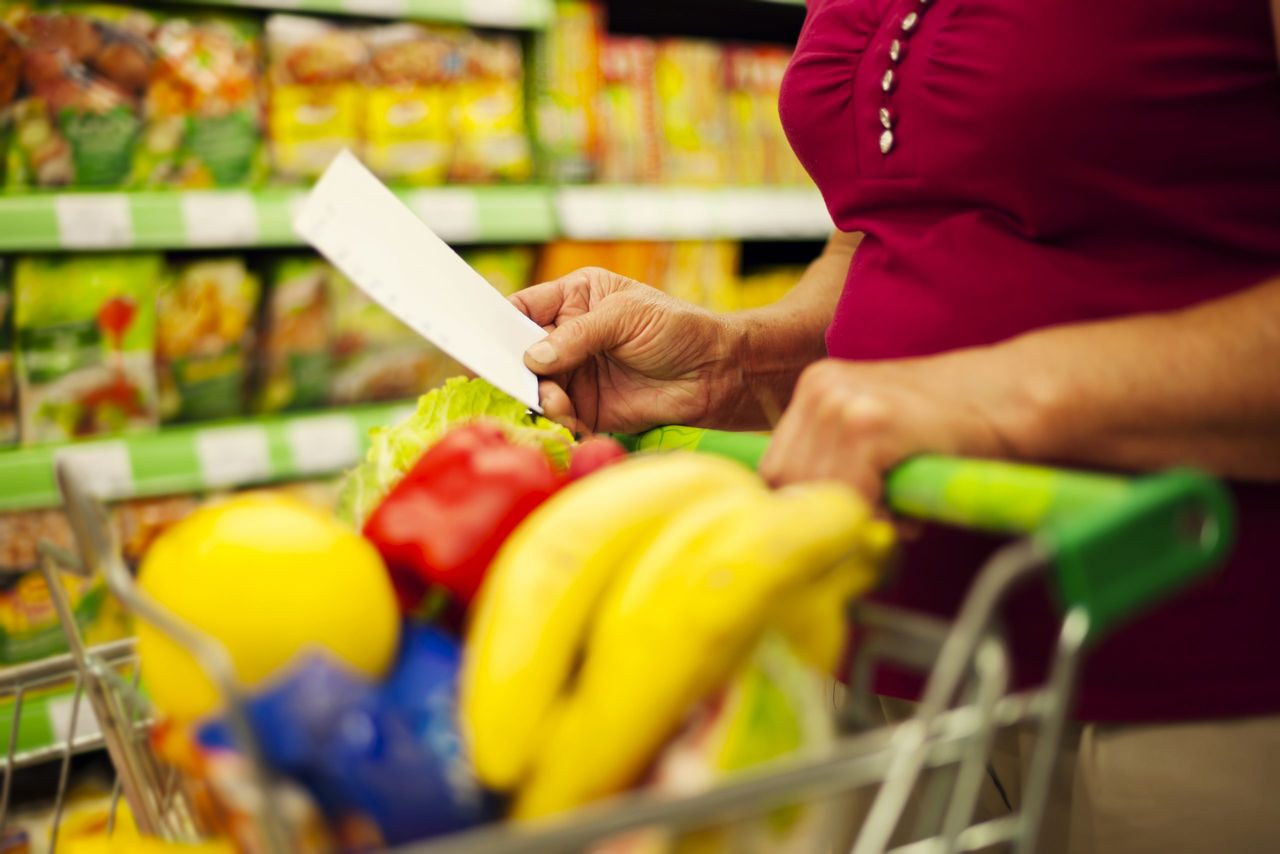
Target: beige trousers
x=1210, y=786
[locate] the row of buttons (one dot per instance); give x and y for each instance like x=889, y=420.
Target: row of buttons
x=897, y=48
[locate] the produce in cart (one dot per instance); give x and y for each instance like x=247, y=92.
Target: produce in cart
x=554, y=595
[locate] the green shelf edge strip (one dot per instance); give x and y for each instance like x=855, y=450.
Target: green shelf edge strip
x=245, y=218
x=513, y=14
x=199, y=457
x=531, y=213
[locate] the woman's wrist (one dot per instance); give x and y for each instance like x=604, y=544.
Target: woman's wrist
x=764, y=352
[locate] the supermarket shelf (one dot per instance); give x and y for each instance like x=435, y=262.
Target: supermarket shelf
x=226, y=218
x=674, y=213
x=204, y=457
x=500, y=214
x=513, y=14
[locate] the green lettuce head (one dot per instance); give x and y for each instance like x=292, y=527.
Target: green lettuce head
x=394, y=450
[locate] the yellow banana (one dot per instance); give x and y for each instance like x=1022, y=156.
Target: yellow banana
x=813, y=616
x=673, y=629
x=544, y=586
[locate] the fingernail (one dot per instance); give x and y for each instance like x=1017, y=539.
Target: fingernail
x=542, y=353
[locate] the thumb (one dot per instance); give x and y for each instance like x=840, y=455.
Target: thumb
x=574, y=341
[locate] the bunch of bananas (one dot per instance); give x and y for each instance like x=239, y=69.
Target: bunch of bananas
x=633, y=595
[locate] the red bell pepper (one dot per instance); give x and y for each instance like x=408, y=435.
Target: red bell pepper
x=445, y=520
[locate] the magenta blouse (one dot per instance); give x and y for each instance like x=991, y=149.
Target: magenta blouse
x=1019, y=164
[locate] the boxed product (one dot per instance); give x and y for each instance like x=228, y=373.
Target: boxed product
x=407, y=102
x=204, y=338
x=314, y=69
x=492, y=139
x=507, y=268
x=203, y=104
x=85, y=329
x=748, y=102
x=8, y=390
x=566, y=87
x=78, y=112
x=374, y=355
x=294, y=358
x=629, y=150
x=692, y=120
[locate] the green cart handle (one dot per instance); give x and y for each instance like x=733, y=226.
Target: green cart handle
x=1118, y=544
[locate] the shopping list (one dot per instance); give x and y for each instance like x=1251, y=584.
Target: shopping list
x=356, y=222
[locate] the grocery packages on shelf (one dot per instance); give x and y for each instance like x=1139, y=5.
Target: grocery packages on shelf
x=324, y=341
x=294, y=359
x=693, y=123
x=566, y=85
x=203, y=104
x=628, y=105
x=79, y=110
x=205, y=337
x=93, y=345
x=85, y=333
x=706, y=273
x=373, y=355
x=114, y=96
x=419, y=104
x=8, y=385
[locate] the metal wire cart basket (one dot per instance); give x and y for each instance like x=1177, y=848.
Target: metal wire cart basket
x=1109, y=547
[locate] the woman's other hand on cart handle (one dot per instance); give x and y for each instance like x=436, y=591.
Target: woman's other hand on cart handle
x=1193, y=387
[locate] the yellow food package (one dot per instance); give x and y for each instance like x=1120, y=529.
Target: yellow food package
x=409, y=78
x=493, y=142
x=628, y=112
x=314, y=69
x=565, y=90
x=692, y=118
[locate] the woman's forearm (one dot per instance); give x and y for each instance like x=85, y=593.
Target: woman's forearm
x=1199, y=386
x=774, y=344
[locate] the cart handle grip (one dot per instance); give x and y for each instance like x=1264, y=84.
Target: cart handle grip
x=1117, y=544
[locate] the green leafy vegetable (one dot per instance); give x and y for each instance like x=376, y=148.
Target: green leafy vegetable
x=394, y=450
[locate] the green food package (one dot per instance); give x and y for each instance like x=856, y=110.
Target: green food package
x=8, y=390
x=507, y=268
x=295, y=358
x=374, y=355
x=85, y=330
x=78, y=111
x=204, y=338
x=203, y=115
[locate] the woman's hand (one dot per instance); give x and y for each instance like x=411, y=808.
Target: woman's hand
x=854, y=421
x=622, y=356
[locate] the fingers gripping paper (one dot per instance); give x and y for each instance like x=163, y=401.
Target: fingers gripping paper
x=352, y=219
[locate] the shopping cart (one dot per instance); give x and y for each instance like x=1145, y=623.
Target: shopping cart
x=1109, y=546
